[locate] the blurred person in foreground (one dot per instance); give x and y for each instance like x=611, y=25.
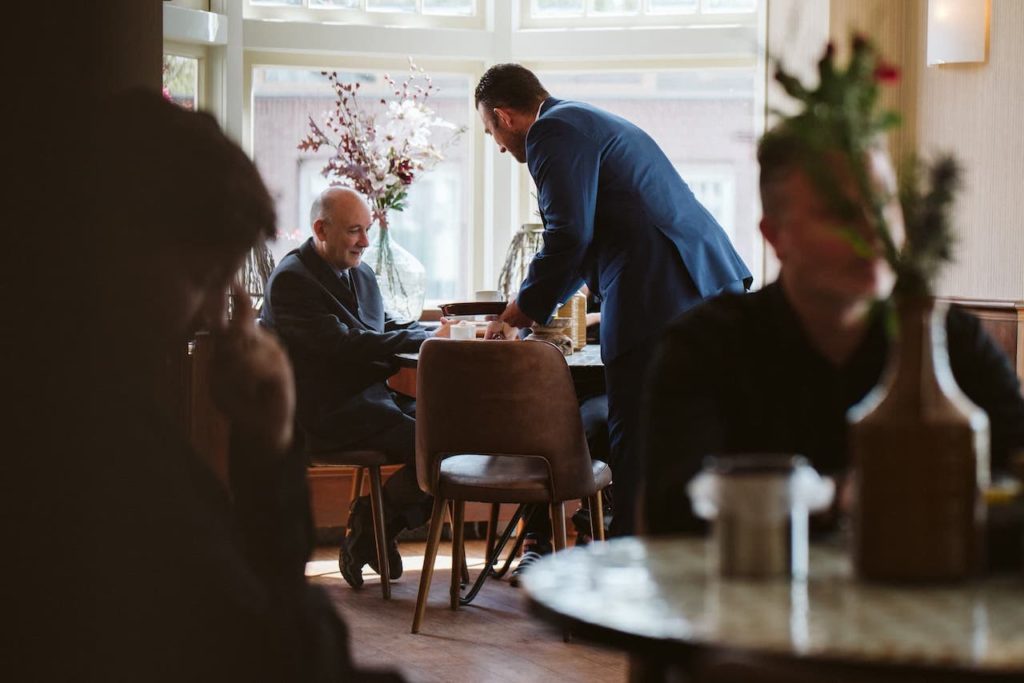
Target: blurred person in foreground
x=776, y=371
x=170, y=573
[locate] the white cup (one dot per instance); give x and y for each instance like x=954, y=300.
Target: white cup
x=463, y=330
x=489, y=295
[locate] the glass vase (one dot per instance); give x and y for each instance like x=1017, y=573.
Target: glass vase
x=527, y=241
x=920, y=455
x=400, y=275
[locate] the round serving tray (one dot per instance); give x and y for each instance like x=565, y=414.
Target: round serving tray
x=471, y=308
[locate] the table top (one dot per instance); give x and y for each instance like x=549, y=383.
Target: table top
x=660, y=597
x=587, y=357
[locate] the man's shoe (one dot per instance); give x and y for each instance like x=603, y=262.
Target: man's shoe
x=394, y=560
x=392, y=528
x=531, y=554
x=357, y=546
x=581, y=523
x=350, y=567
x=362, y=543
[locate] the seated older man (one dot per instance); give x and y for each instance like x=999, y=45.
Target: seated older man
x=776, y=371
x=325, y=304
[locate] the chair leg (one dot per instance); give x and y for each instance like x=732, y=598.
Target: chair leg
x=492, y=531
x=597, y=516
x=458, y=551
x=433, y=540
x=465, y=568
x=357, y=483
x=558, y=525
x=377, y=508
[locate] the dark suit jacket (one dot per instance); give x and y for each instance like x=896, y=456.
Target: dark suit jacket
x=617, y=215
x=341, y=350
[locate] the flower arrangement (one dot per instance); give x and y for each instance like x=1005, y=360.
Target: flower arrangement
x=380, y=153
x=841, y=116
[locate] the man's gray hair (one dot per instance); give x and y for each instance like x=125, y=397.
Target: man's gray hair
x=322, y=203
x=316, y=211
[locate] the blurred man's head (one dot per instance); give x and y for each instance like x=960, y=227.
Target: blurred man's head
x=179, y=206
x=507, y=98
x=823, y=253
x=341, y=224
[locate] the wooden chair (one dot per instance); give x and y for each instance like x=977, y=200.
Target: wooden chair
x=497, y=422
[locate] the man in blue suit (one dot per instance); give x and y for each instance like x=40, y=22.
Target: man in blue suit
x=617, y=216
x=324, y=303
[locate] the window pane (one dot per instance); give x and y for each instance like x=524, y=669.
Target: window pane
x=335, y=4
x=435, y=224
x=703, y=119
x=712, y=6
x=556, y=8
x=461, y=8
x=277, y=3
x=615, y=6
x=673, y=6
x=181, y=81
x=405, y=6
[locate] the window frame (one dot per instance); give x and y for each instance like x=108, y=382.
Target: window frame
x=646, y=18
x=367, y=17
x=203, y=78
x=471, y=256
x=500, y=187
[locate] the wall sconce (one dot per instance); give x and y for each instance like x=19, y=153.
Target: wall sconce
x=957, y=31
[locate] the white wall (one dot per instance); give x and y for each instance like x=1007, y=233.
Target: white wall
x=972, y=111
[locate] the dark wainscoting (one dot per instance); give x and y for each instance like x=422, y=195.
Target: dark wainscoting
x=1004, y=321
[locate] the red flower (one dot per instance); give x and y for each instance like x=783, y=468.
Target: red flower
x=887, y=73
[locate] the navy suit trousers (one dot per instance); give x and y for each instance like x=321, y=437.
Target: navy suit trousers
x=402, y=494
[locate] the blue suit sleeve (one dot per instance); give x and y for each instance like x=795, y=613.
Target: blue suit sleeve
x=565, y=165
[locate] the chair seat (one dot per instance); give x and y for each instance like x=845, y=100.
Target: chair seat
x=505, y=479
x=349, y=458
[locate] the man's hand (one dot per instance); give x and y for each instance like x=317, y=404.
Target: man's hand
x=445, y=331
x=507, y=323
x=252, y=380
x=496, y=329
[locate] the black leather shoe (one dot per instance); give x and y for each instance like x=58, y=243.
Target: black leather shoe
x=581, y=522
x=531, y=553
x=394, y=560
x=351, y=568
x=357, y=546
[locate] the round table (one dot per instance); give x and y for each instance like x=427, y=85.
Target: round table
x=661, y=601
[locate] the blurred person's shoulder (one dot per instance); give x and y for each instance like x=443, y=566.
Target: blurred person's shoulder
x=724, y=318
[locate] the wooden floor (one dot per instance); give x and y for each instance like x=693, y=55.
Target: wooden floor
x=494, y=639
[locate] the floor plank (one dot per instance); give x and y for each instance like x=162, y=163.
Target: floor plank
x=494, y=639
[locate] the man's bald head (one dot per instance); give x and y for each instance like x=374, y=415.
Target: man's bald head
x=333, y=199
x=341, y=224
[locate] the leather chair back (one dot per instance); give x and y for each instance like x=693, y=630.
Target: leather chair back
x=500, y=398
